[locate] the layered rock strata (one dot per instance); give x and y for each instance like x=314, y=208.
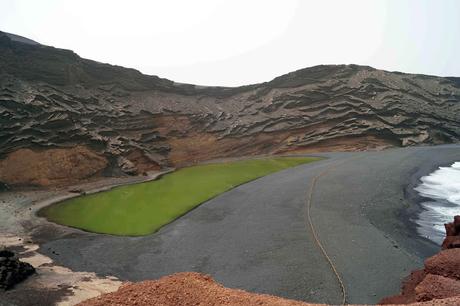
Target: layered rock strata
x=51, y=98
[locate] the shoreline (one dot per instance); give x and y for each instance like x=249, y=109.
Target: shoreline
x=412, y=213
x=438, y=207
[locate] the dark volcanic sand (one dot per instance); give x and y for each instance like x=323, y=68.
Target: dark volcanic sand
x=254, y=237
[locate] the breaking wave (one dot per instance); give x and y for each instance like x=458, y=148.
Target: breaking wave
x=443, y=188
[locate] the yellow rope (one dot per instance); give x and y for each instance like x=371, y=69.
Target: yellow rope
x=315, y=235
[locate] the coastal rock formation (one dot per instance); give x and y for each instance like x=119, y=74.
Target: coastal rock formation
x=445, y=263
x=452, y=239
x=12, y=271
x=439, y=279
x=51, y=98
x=436, y=287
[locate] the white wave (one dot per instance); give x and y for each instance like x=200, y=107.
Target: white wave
x=443, y=186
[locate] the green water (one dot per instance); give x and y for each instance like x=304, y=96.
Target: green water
x=143, y=208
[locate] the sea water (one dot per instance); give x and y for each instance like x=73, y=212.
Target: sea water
x=441, y=189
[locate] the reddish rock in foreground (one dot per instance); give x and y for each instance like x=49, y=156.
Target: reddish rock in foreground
x=187, y=288
x=452, y=239
x=436, y=287
x=441, y=276
x=445, y=263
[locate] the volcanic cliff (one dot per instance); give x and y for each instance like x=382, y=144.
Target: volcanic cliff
x=64, y=118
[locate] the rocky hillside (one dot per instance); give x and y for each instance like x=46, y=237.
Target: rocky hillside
x=67, y=117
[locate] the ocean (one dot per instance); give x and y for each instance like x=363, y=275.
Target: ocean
x=441, y=190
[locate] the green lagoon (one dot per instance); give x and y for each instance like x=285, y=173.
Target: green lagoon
x=143, y=208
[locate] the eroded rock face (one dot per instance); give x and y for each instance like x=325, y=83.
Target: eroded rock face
x=50, y=166
x=53, y=98
x=436, y=287
x=452, y=239
x=445, y=263
x=12, y=271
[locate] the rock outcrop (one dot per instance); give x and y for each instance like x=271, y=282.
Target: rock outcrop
x=440, y=278
x=452, y=239
x=51, y=98
x=12, y=270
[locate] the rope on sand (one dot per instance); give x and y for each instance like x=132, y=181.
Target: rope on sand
x=309, y=202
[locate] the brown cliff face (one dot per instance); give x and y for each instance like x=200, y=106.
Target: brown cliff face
x=52, y=98
x=440, y=279
x=50, y=166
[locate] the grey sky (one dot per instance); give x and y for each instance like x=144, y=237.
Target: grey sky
x=236, y=42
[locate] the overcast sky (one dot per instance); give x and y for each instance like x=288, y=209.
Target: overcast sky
x=236, y=42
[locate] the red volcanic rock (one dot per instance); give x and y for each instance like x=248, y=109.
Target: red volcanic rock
x=436, y=287
x=445, y=263
x=187, y=288
x=441, y=276
x=457, y=224
x=451, y=242
x=452, y=239
x=450, y=229
x=408, y=294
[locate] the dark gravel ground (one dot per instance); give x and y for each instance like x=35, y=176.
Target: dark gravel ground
x=255, y=237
